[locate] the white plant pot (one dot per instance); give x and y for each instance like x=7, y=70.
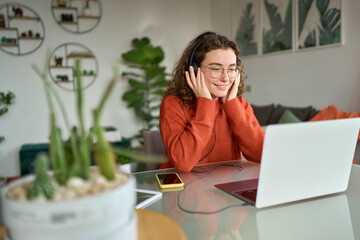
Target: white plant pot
x=125, y=167
x=106, y=216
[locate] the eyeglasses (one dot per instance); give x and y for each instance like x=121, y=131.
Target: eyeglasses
x=216, y=72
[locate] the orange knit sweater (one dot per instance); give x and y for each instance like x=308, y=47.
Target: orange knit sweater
x=188, y=134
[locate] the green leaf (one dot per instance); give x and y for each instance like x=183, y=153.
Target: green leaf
x=159, y=82
x=330, y=23
x=158, y=92
x=310, y=40
x=155, y=107
x=131, y=74
x=245, y=33
x=144, y=115
x=279, y=36
x=322, y=5
x=133, y=96
x=137, y=84
x=144, y=55
x=304, y=7
x=138, y=43
x=153, y=71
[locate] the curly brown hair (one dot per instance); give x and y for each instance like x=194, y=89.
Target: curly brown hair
x=207, y=41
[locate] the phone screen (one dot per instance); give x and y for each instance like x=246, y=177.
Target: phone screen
x=169, y=178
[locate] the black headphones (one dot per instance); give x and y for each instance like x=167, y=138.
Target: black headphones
x=191, y=61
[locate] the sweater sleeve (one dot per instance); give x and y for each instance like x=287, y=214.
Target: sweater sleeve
x=186, y=135
x=246, y=128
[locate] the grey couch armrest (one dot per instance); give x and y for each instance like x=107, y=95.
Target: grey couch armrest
x=357, y=153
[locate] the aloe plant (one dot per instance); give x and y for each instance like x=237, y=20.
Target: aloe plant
x=76, y=161
x=72, y=157
x=147, y=82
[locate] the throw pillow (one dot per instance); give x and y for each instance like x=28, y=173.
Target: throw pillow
x=288, y=117
x=301, y=113
x=262, y=113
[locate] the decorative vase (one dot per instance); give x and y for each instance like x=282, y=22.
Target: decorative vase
x=109, y=215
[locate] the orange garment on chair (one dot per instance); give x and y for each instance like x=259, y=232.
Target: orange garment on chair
x=332, y=112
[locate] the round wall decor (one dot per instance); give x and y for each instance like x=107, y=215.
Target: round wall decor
x=62, y=61
x=76, y=16
x=21, y=29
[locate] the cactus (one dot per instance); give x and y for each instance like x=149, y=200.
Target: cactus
x=72, y=158
x=42, y=184
x=103, y=155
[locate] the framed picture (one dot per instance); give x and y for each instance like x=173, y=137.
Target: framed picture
x=276, y=25
x=319, y=23
x=268, y=26
x=245, y=22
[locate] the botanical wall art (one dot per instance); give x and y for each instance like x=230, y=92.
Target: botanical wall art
x=319, y=23
x=246, y=23
x=276, y=25
x=268, y=26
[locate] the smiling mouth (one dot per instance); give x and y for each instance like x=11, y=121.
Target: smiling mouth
x=221, y=86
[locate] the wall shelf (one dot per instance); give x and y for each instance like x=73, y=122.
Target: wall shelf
x=25, y=18
x=77, y=16
x=9, y=45
x=20, y=23
x=31, y=38
x=62, y=61
x=64, y=8
x=8, y=29
x=62, y=67
x=67, y=22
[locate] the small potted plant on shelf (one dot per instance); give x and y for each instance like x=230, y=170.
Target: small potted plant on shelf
x=74, y=201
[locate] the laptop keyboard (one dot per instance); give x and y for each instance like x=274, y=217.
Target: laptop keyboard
x=248, y=194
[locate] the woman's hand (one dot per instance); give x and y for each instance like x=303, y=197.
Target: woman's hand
x=197, y=83
x=233, y=90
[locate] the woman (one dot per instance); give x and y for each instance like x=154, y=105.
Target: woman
x=203, y=116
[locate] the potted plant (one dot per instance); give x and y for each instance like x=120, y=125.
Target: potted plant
x=6, y=99
x=74, y=201
x=147, y=82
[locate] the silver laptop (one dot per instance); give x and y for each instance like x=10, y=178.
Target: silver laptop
x=300, y=161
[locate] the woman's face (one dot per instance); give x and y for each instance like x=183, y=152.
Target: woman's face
x=216, y=61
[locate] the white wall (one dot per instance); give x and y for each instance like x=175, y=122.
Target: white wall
x=318, y=78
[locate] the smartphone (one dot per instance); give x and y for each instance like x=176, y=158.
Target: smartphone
x=169, y=180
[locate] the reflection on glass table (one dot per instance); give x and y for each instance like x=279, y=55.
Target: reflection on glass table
x=329, y=217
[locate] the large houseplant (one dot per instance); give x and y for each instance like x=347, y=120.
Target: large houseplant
x=75, y=201
x=147, y=81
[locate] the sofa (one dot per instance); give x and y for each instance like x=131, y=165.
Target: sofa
x=274, y=114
